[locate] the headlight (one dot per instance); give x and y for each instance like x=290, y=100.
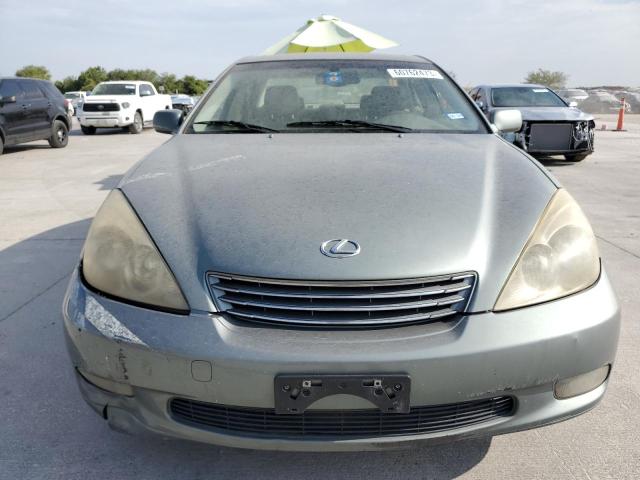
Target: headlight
x=120, y=258
x=126, y=104
x=560, y=258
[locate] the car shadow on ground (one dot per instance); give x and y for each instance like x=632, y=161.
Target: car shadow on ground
x=23, y=147
x=556, y=162
x=50, y=429
x=76, y=132
x=109, y=183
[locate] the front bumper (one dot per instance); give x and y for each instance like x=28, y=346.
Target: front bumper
x=121, y=118
x=519, y=353
x=577, y=146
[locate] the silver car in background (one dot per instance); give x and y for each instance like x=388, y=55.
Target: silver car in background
x=337, y=252
x=181, y=101
x=550, y=126
x=573, y=95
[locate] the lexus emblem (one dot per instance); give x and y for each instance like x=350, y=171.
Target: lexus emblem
x=340, y=248
x=100, y=107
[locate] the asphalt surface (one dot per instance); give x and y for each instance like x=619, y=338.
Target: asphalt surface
x=47, y=198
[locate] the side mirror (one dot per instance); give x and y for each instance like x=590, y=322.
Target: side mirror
x=573, y=104
x=11, y=99
x=480, y=104
x=507, y=120
x=168, y=121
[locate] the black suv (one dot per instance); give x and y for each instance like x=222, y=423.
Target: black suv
x=30, y=110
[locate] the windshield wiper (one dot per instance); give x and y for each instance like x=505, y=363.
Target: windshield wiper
x=241, y=126
x=350, y=123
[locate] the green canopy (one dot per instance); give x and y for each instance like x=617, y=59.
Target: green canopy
x=330, y=34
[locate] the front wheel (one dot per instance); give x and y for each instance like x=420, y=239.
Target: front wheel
x=576, y=157
x=59, y=134
x=136, y=126
x=88, y=130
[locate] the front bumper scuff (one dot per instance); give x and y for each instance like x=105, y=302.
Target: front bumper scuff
x=519, y=353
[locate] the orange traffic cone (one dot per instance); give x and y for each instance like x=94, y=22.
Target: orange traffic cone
x=620, y=117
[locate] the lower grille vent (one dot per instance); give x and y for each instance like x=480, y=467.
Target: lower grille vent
x=340, y=423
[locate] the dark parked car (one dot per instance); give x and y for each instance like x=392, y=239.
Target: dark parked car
x=550, y=126
x=30, y=110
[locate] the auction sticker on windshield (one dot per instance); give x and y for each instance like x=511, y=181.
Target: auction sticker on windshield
x=413, y=73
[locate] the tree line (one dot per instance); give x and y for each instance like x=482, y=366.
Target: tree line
x=89, y=78
x=195, y=86
x=547, y=78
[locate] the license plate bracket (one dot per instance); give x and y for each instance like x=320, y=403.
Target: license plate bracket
x=294, y=393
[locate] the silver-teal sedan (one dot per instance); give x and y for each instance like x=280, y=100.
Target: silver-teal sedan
x=339, y=252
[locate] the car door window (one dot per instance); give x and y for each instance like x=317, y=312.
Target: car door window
x=32, y=91
x=481, y=97
x=146, y=91
x=11, y=88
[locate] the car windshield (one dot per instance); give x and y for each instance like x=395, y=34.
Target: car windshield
x=337, y=95
x=114, y=89
x=525, y=97
x=71, y=96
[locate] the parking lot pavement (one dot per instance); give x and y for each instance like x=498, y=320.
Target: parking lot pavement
x=46, y=431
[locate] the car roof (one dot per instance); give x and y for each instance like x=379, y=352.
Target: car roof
x=137, y=82
x=333, y=56
x=24, y=78
x=511, y=85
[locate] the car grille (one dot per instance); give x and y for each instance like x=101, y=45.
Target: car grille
x=342, y=303
x=341, y=423
x=550, y=136
x=541, y=137
x=100, y=107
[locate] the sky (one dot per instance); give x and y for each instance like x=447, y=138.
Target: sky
x=595, y=42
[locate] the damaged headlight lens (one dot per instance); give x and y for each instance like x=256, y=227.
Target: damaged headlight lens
x=120, y=258
x=560, y=258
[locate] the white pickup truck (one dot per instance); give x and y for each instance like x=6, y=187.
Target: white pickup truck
x=121, y=104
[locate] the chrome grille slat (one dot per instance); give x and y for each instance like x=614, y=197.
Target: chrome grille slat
x=351, y=306
x=341, y=293
x=341, y=283
x=342, y=303
x=342, y=320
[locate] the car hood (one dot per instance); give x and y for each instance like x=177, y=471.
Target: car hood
x=417, y=204
x=552, y=114
x=108, y=98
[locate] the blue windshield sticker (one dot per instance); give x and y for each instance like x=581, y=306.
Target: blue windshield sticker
x=333, y=79
x=455, y=116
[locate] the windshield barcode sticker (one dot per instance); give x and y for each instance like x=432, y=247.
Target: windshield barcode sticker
x=455, y=116
x=413, y=73
x=540, y=90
